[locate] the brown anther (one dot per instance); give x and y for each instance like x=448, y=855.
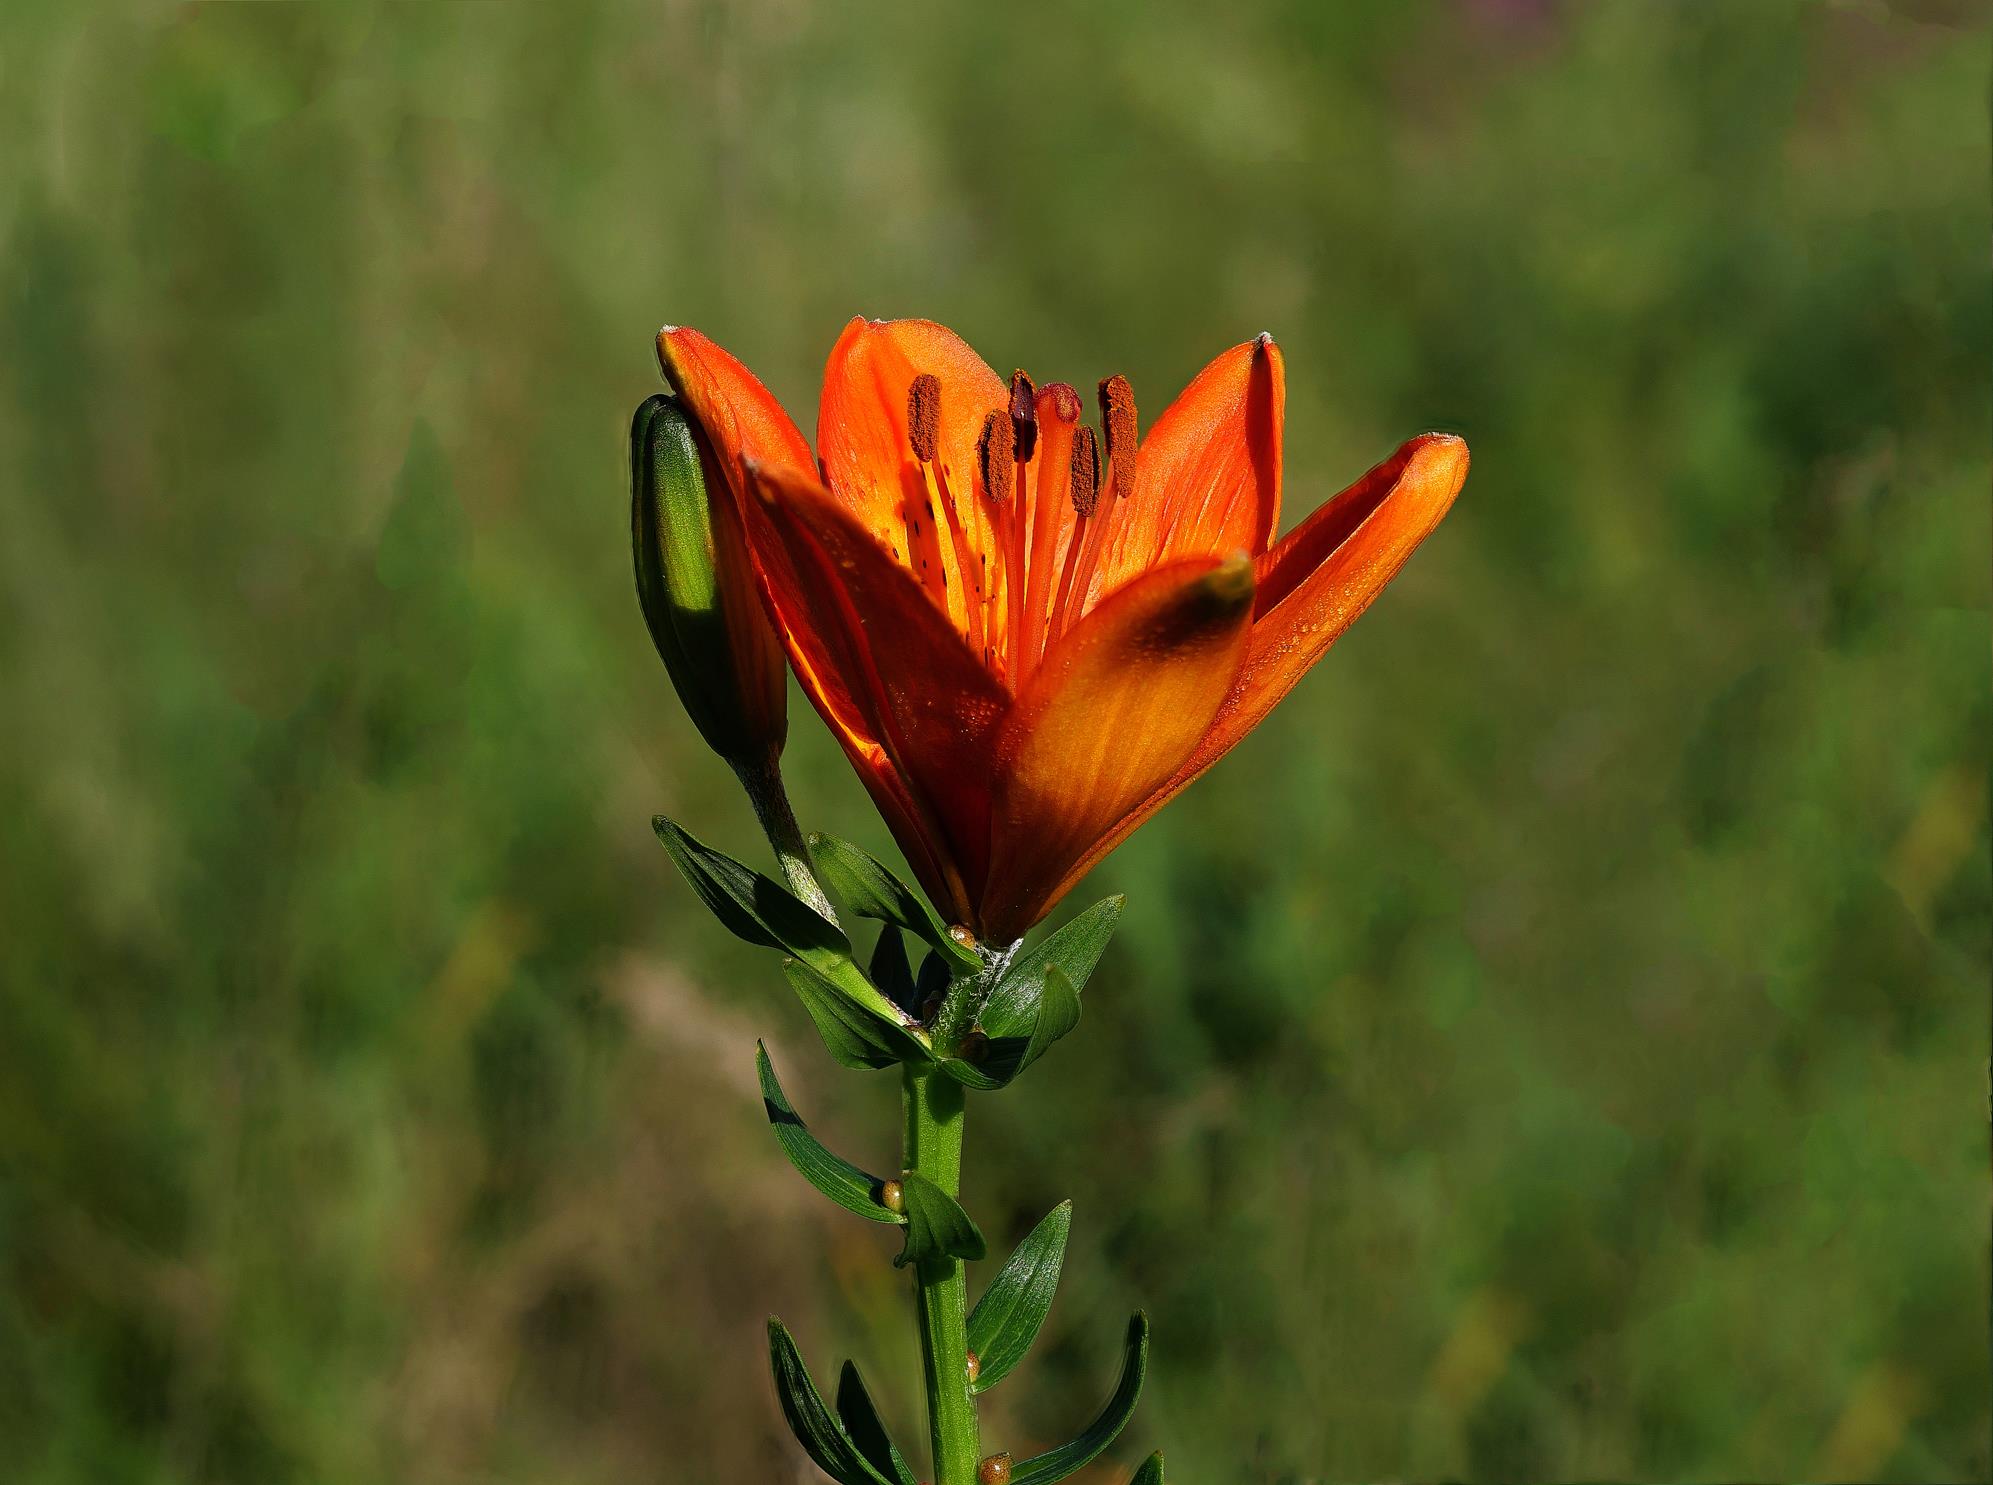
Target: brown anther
x=1023, y=416
x=892, y=1197
x=1086, y=472
x=923, y=416
x=996, y=452
x=994, y=1471
x=1117, y=420
x=975, y=1366
x=962, y=935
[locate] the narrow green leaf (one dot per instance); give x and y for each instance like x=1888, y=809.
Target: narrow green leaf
x=1058, y=1013
x=1151, y=1472
x=764, y=912
x=937, y=1227
x=971, y=1075
x=934, y=979
x=866, y=1429
x=853, y=1035
x=1054, y=1012
x=1006, y=1319
x=836, y=1177
x=1056, y=1464
x=862, y=883
x=823, y=1438
x=892, y=971
x=1076, y=948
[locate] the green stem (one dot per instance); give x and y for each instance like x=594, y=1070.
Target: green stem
x=933, y=1104
x=763, y=782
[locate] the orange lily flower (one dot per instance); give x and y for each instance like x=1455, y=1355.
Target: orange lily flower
x=1026, y=637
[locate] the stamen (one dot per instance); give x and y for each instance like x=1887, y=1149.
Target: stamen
x=1023, y=416
x=943, y=530
x=1047, y=522
x=1086, y=473
x=1003, y=482
x=996, y=453
x=923, y=415
x=1117, y=420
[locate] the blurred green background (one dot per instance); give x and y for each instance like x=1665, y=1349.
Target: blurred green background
x=1553, y=1047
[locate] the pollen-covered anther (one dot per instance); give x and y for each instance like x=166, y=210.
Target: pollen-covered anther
x=924, y=416
x=996, y=454
x=1023, y=416
x=1086, y=472
x=1117, y=420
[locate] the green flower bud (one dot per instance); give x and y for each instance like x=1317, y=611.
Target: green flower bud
x=695, y=583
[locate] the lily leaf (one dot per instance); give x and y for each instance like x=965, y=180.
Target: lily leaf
x=836, y=1177
x=937, y=1227
x=867, y=1430
x=1007, y=1318
x=863, y=884
x=1076, y=948
x=764, y=912
x=1056, y=1464
x=852, y=1035
x=823, y=1438
x=1054, y=1011
x=892, y=971
x=1058, y=1013
x=1151, y=1472
x=935, y=978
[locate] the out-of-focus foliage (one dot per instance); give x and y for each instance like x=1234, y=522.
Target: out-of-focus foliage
x=1553, y=1047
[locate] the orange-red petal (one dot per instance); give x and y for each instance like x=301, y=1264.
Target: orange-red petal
x=1319, y=577
x=1111, y=714
x=892, y=657
x=1207, y=476
x=862, y=433
x=740, y=417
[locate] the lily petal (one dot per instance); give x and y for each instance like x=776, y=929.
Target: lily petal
x=1316, y=581
x=1110, y=715
x=924, y=696
x=862, y=432
x=1207, y=476
x=738, y=415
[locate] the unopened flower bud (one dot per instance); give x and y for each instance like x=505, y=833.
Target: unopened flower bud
x=695, y=583
x=994, y=1471
x=892, y=1196
x=975, y=1366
